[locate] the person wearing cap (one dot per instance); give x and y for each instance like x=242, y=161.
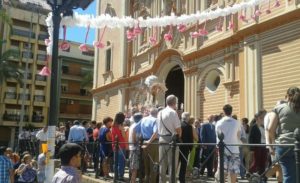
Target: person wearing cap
x=70, y=156
x=134, y=138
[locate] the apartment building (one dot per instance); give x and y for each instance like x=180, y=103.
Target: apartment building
x=76, y=83
x=26, y=35
x=249, y=63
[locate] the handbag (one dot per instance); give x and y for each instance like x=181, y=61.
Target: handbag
x=176, y=136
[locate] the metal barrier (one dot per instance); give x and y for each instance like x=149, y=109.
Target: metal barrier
x=95, y=146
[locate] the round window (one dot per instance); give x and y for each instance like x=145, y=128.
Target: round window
x=213, y=80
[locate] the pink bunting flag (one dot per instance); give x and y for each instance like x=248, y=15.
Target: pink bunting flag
x=137, y=30
x=195, y=34
x=181, y=27
x=64, y=46
x=219, y=26
x=45, y=71
x=169, y=36
x=277, y=4
x=83, y=47
x=130, y=35
x=99, y=44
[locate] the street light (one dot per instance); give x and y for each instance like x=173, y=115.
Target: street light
x=59, y=8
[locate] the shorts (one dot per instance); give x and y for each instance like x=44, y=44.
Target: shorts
x=134, y=159
x=232, y=163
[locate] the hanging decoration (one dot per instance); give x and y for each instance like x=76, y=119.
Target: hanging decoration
x=115, y=22
x=45, y=71
x=268, y=11
x=64, y=46
x=152, y=39
x=277, y=3
x=99, y=44
x=168, y=36
x=231, y=23
x=130, y=35
x=135, y=25
x=181, y=27
x=137, y=30
x=83, y=47
x=219, y=26
x=203, y=31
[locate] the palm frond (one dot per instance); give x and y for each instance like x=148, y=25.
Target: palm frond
x=5, y=18
x=9, y=54
x=87, y=79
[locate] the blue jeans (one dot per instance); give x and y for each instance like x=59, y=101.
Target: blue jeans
x=121, y=163
x=287, y=163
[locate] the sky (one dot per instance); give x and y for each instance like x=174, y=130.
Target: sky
x=78, y=34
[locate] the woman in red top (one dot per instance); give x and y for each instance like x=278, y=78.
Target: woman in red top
x=117, y=131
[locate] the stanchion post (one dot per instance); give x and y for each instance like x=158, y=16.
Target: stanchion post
x=221, y=146
x=140, y=159
x=297, y=153
x=116, y=159
x=173, y=147
x=96, y=157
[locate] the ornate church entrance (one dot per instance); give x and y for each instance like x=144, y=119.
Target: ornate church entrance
x=175, y=84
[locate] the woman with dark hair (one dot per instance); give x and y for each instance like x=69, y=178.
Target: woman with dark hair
x=257, y=136
x=117, y=131
x=105, y=146
x=287, y=117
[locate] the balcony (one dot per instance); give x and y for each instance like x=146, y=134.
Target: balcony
x=25, y=97
x=40, y=78
x=42, y=37
x=22, y=33
x=39, y=98
x=11, y=95
x=26, y=54
x=41, y=57
x=14, y=117
x=37, y=117
x=76, y=97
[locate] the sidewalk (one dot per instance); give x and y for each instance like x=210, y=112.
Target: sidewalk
x=90, y=178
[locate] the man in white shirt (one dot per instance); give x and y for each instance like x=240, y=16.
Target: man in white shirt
x=42, y=137
x=168, y=124
x=231, y=129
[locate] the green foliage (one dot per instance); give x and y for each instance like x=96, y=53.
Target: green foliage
x=87, y=79
x=7, y=69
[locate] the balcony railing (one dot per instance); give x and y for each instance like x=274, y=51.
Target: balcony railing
x=39, y=98
x=14, y=117
x=41, y=57
x=23, y=33
x=10, y=95
x=42, y=37
x=37, y=118
x=26, y=96
x=26, y=54
x=40, y=78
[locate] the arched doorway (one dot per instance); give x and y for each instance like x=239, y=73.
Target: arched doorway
x=175, y=84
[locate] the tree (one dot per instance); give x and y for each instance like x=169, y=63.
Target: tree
x=87, y=79
x=7, y=69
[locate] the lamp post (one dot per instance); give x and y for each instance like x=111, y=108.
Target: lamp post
x=59, y=8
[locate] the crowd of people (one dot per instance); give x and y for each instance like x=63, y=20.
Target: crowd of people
x=155, y=128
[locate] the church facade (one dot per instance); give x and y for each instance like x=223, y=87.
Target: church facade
x=248, y=63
